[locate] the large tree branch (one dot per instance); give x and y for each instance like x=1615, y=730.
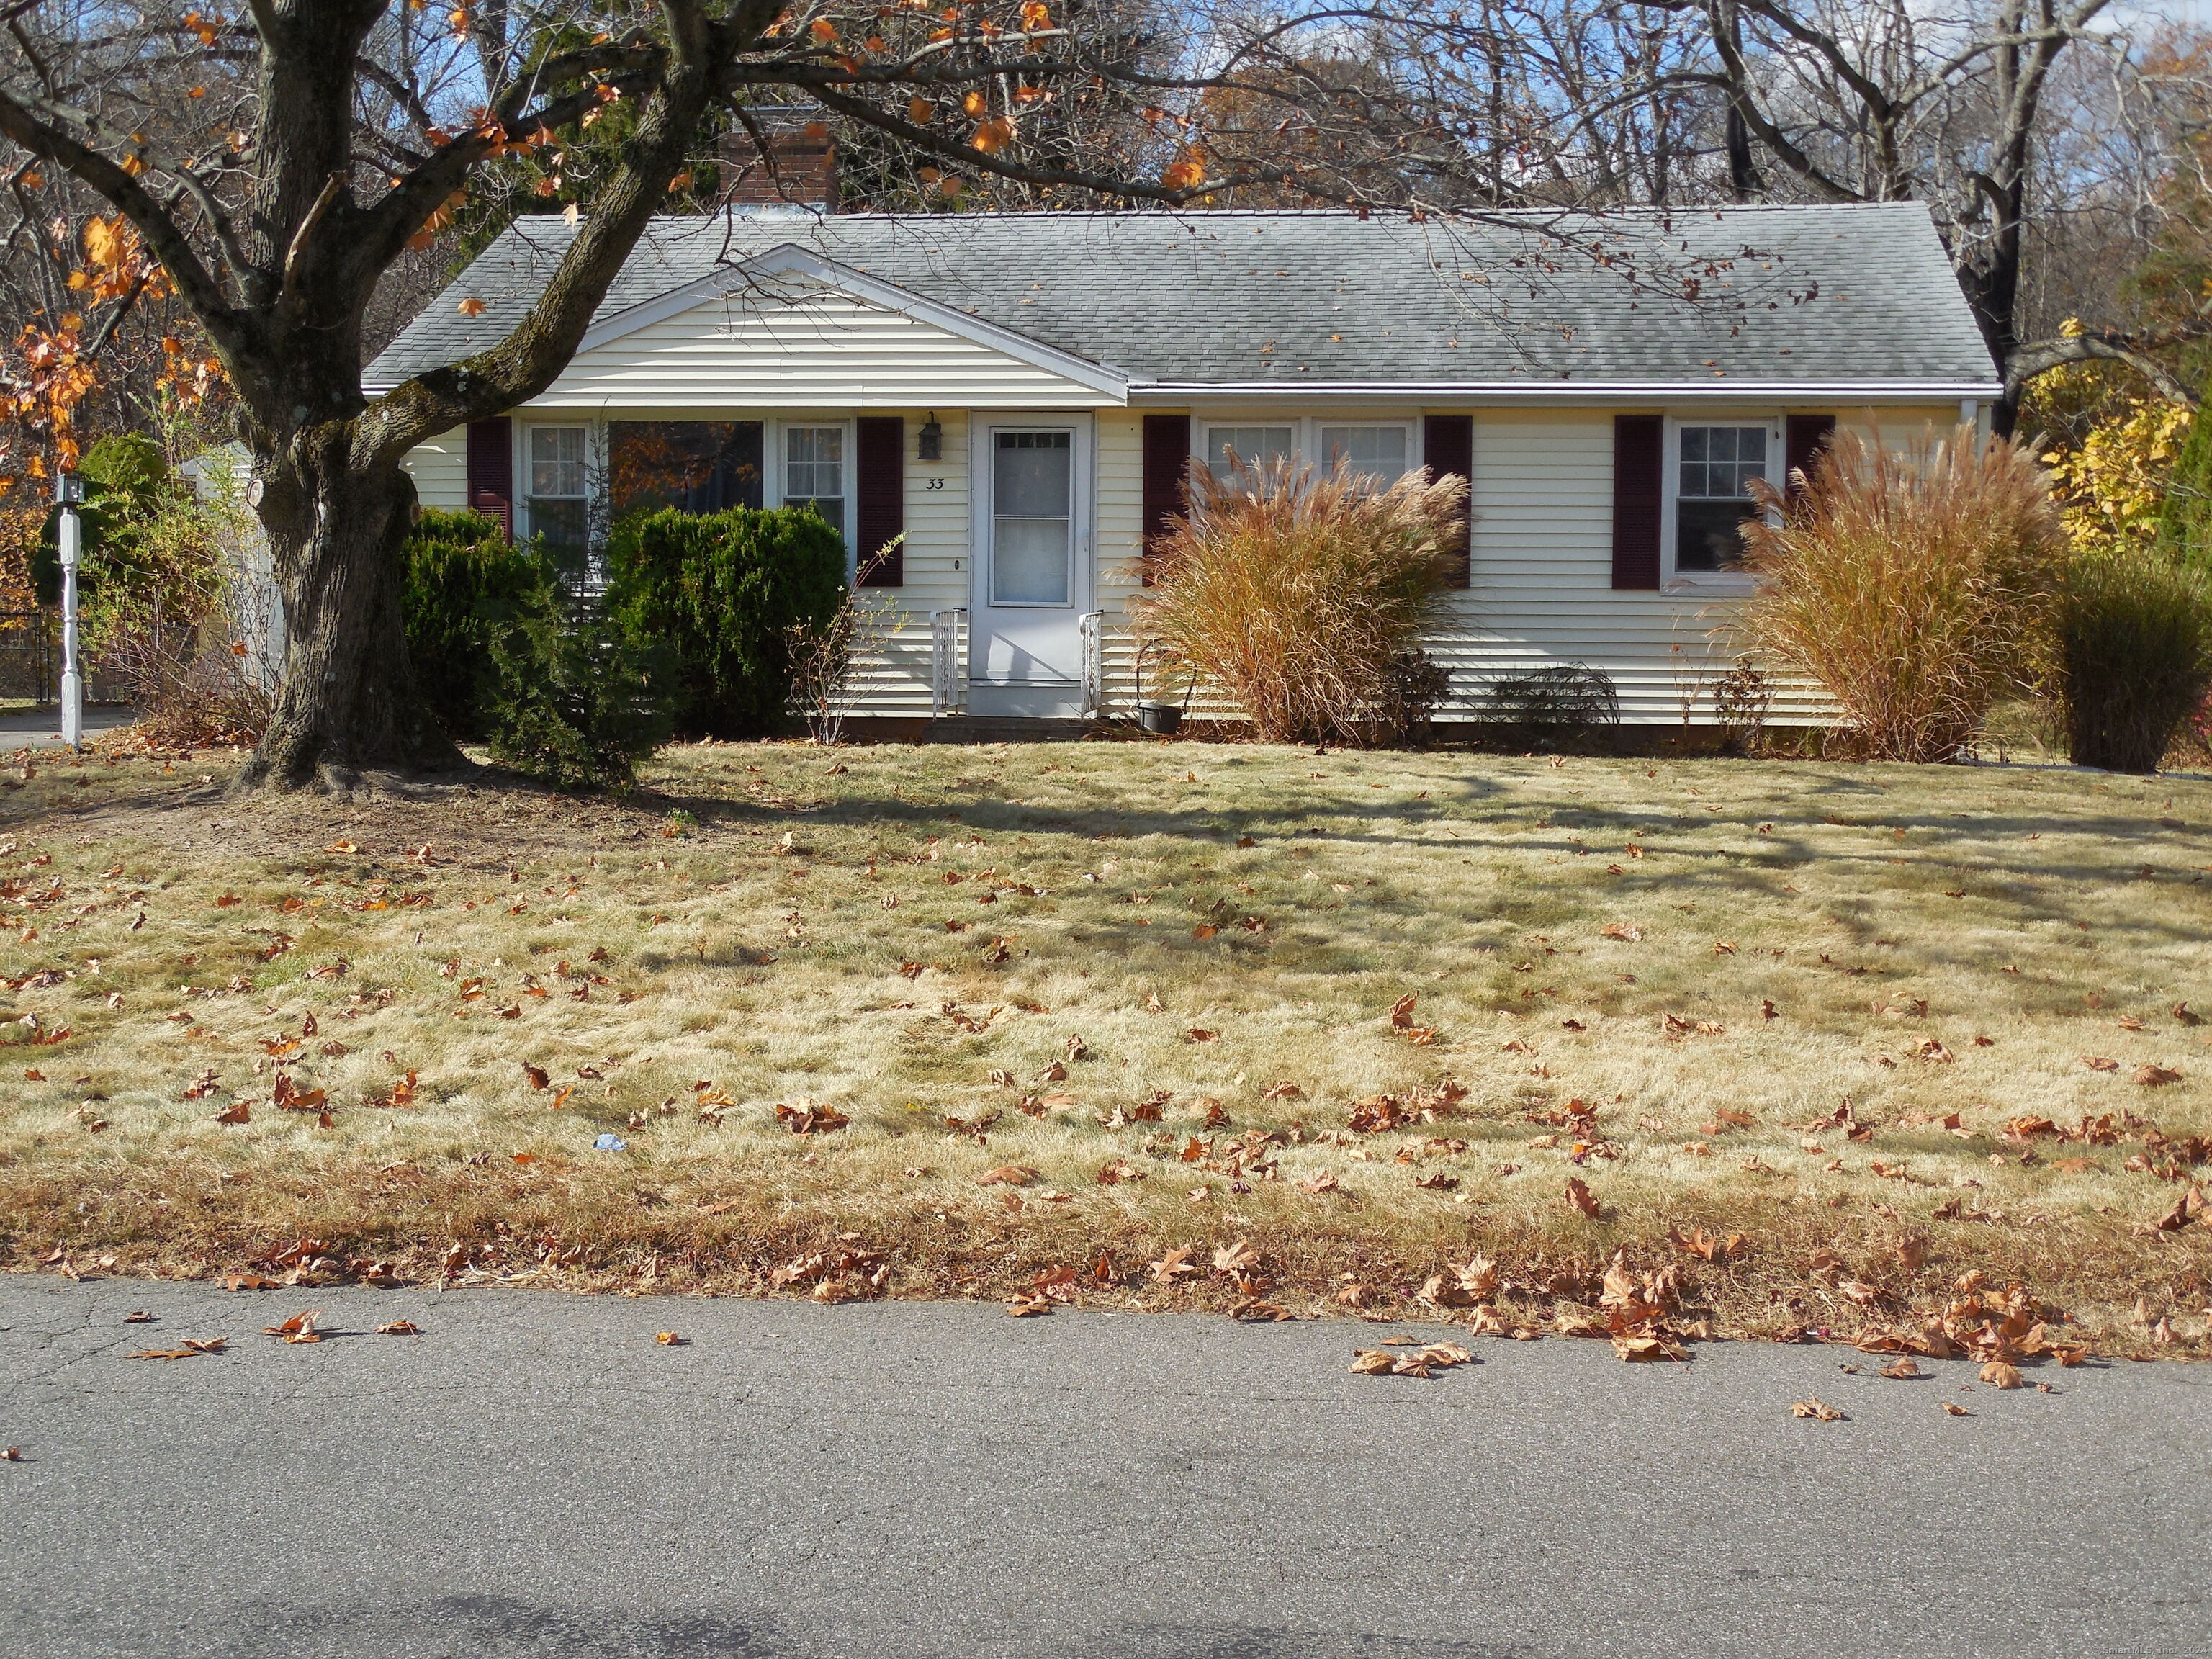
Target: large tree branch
x=2038, y=357
x=192, y=278
x=539, y=347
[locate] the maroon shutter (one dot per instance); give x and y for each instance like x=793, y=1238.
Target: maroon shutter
x=1638, y=457
x=491, y=471
x=879, y=499
x=1805, y=436
x=1447, y=447
x=1167, y=458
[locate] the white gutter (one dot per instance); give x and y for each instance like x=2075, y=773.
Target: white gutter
x=1577, y=392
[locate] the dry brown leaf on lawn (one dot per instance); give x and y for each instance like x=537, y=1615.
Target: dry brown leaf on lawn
x=2186, y=1208
x=1401, y=1012
x=1479, y=1278
x=1235, y=1258
x=1172, y=1266
x=1704, y=1246
x=537, y=1074
x=236, y=1112
x=399, y=1327
x=1578, y=1197
x=1320, y=1182
x=1999, y=1375
x=1199, y=1034
x=1818, y=1410
x=1625, y=931
x=1006, y=1174
x=2100, y=1063
x=2156, y=1077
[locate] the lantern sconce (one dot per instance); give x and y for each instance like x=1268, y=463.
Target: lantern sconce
x=930, y=445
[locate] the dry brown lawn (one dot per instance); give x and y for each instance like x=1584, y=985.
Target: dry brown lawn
x=940, y=1020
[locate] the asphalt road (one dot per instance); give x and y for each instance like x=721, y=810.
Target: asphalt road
x=535, y=1475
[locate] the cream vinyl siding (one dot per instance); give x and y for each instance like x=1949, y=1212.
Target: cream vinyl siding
x=895, y=679
x=817, y=349
x=1541, y=502
x=440, y=467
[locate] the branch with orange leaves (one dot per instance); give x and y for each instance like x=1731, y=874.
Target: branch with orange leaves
x=163, y=235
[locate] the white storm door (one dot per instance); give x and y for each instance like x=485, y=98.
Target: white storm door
x=1031, y=541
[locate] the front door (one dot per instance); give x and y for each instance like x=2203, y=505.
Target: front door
x=1032, y=579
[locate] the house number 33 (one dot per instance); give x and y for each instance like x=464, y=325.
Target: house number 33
x=933, y=483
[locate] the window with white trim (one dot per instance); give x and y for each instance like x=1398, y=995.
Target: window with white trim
x=559, y=499
x=1713, y=469
x=1253, y=447
x=1379, y=452
x=814, y=471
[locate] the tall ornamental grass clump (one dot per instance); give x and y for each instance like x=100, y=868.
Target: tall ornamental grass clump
x=2133, y=657
x=719, y=593
x=1916, y=587
x=1302, y=595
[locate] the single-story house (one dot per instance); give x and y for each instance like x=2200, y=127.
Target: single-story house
x=1008, y=403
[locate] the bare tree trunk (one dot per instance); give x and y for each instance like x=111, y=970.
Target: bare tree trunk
x=348, y=702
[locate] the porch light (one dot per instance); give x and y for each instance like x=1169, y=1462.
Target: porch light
x=930, y=446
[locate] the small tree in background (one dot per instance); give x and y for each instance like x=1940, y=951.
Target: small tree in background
x=1299, y=594
x=1916, y=587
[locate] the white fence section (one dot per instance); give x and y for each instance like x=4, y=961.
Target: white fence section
x=948, y=682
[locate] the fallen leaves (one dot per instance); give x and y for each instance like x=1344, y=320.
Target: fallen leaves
x=194, y=1346
x=2000, y=1374
x=300, y=1328
x=399, y=1327
x=1952, y=1408
x=1422, y=1362
x=2156, y=1077
x=669, y=1340
x=1817, y=1410
x=1706, y=1247
x=808, y=1117
x=1579, y=1197
x=1007, y=1174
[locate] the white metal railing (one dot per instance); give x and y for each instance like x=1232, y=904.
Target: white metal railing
x=948, y=686
x=1094, y=663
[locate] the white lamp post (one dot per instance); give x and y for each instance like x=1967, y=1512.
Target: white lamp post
x=69, y=491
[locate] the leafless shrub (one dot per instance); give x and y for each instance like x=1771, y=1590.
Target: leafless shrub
x=1302, y=594
x=1743, y=698
x=1915, y=586
x=824, y=660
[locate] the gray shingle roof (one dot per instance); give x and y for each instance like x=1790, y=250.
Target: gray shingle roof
x=1857, y=294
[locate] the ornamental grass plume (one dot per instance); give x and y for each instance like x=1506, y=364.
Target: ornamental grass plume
x=1301, y=595
x=1917, y=585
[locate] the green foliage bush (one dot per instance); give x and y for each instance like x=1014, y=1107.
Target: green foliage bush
x=575, y=703
x=465, y=588
x=2134, y=656
x=126, y=486
x=719, y=593
x=2185, y=527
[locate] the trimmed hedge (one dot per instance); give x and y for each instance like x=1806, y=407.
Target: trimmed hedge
x=465, y=588
x=717, y=593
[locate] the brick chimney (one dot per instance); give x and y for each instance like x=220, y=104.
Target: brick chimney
x=798, y=171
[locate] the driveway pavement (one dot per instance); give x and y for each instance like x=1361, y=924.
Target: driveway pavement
x=42, y=728
x=535, y=1475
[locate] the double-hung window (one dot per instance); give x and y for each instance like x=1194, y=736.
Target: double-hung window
x=559, y=503
x=1252, y=448
x=1712, y=493
x=1377, y=452
x=814, y=471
